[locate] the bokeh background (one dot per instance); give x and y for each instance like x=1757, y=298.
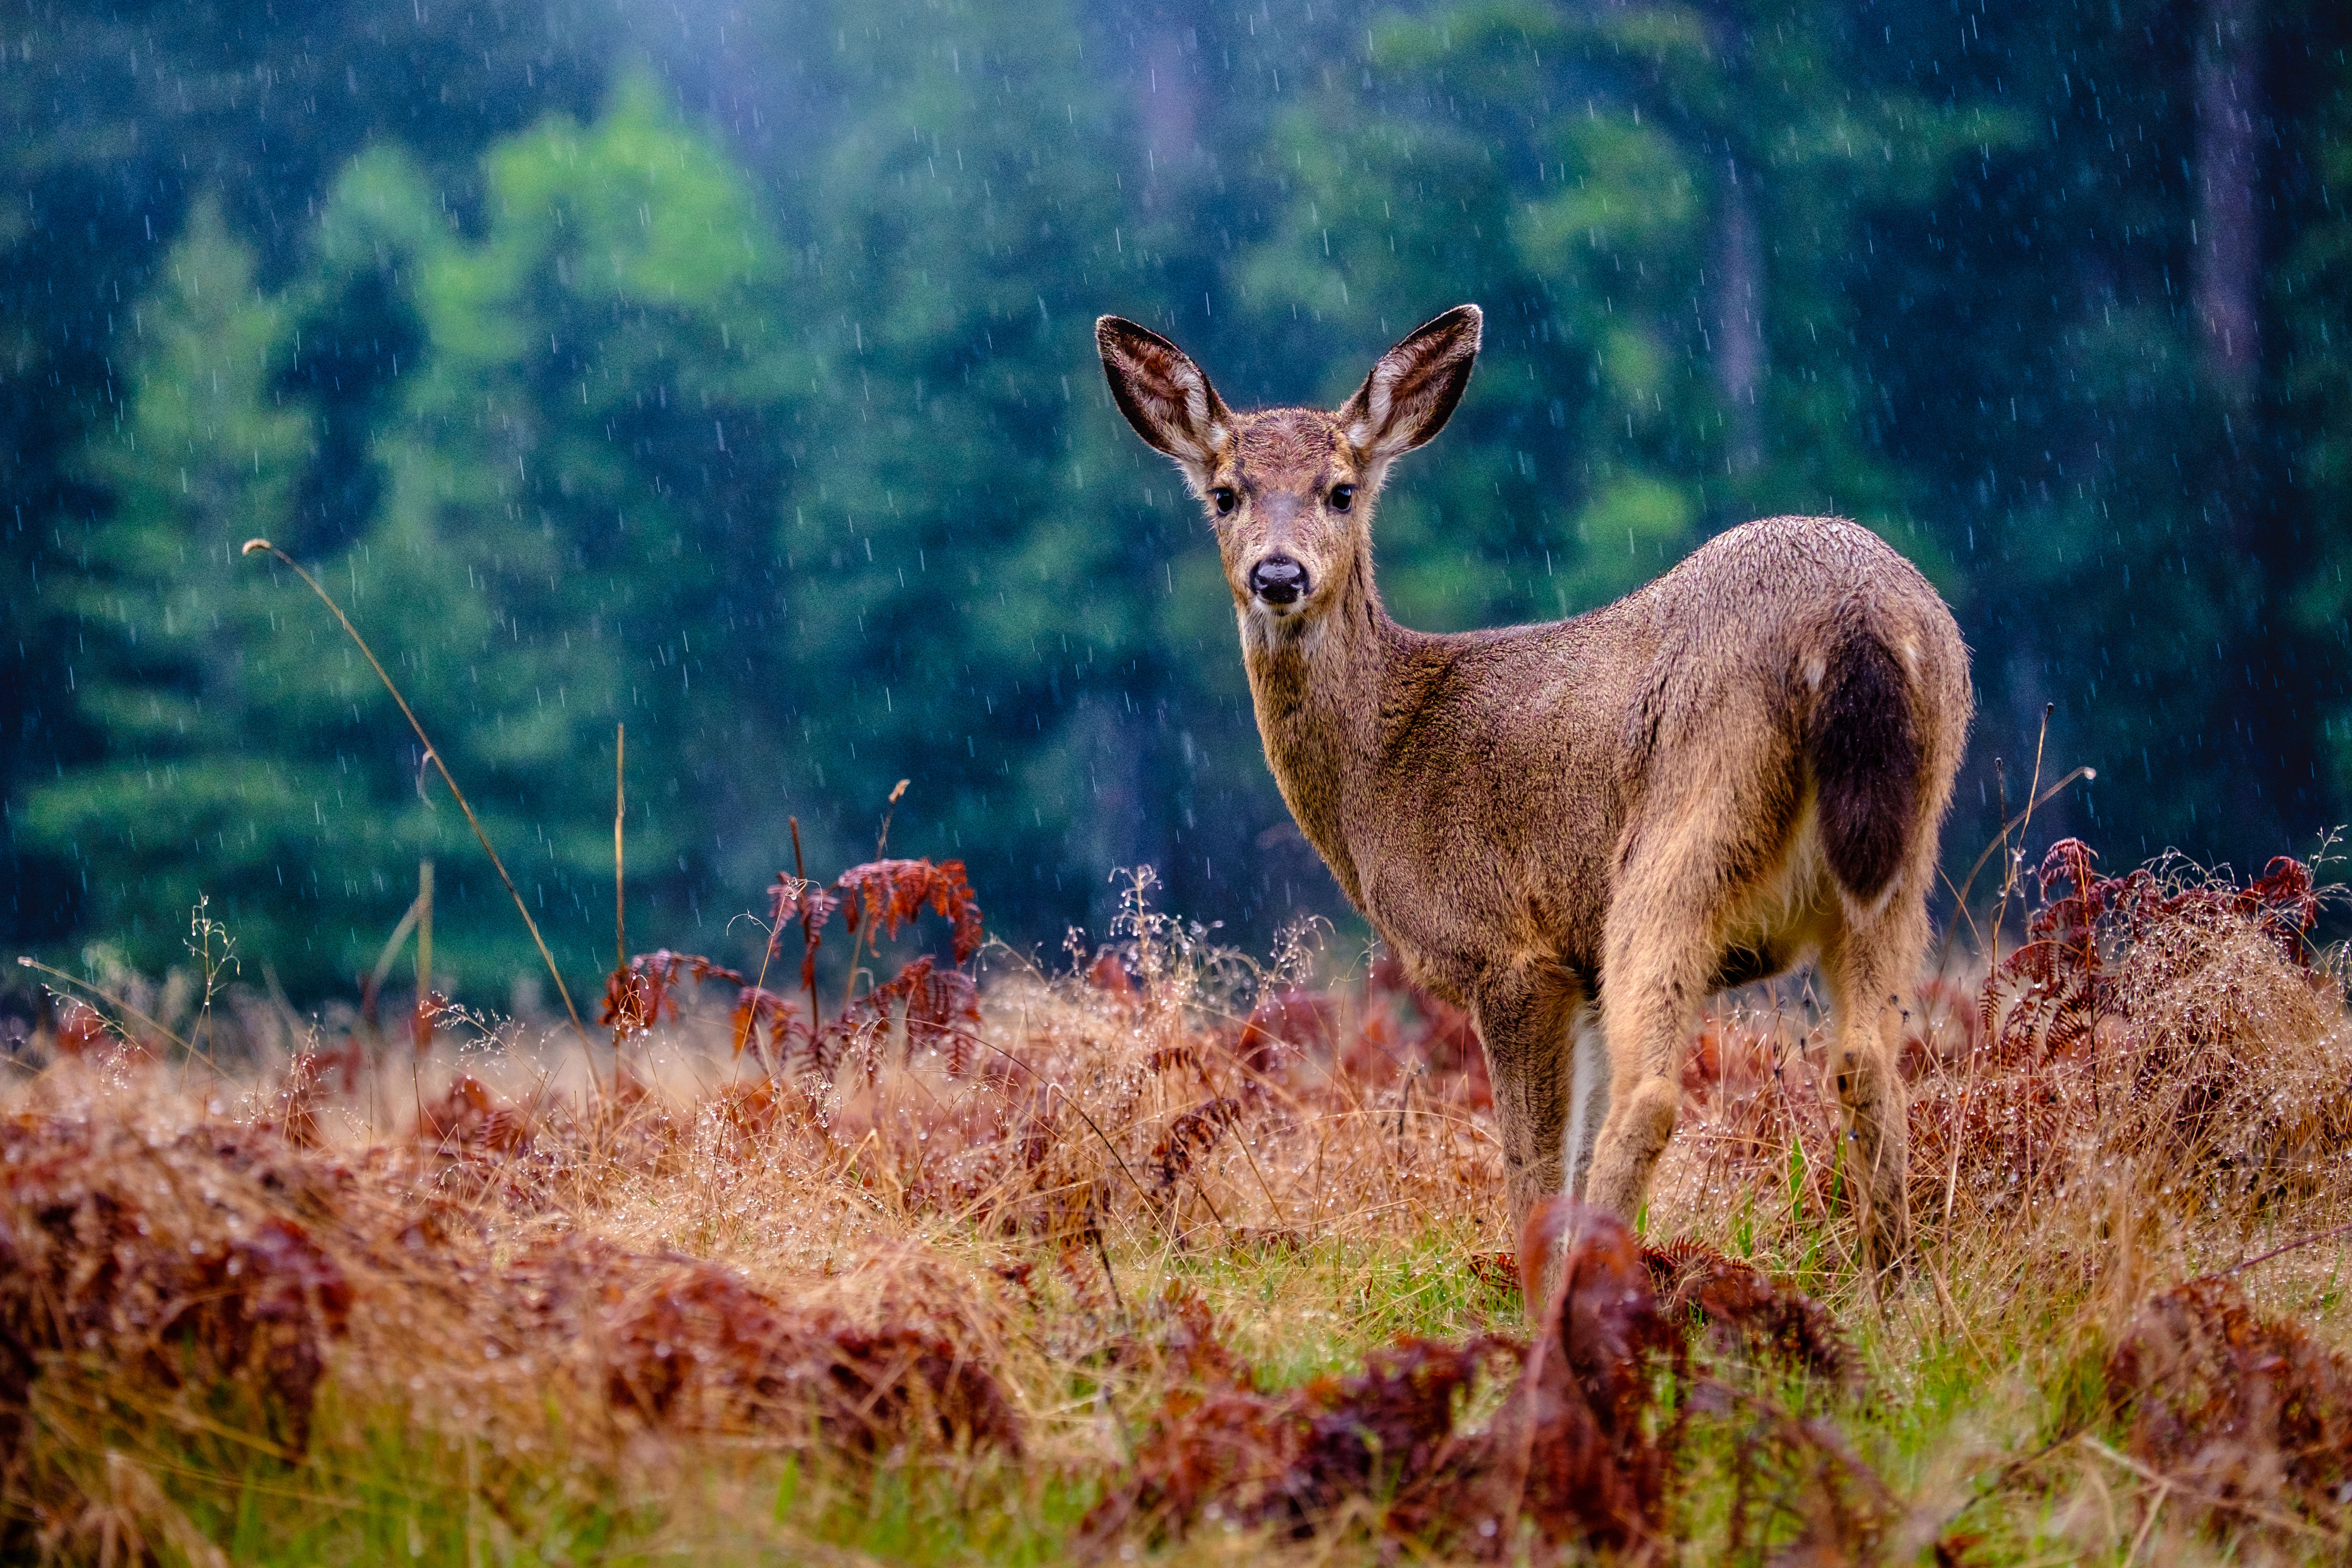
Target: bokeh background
x=726, y=370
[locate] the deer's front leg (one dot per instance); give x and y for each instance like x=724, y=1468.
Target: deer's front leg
x=1523, y=1013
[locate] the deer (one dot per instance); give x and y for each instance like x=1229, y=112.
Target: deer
x=1583, y=830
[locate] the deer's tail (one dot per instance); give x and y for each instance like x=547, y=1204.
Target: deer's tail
x=1864, y=745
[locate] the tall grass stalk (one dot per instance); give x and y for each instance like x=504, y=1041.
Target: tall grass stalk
x=620, y=817
x=263, y=546
x=117, y=1003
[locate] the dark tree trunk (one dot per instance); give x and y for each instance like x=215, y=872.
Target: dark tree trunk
x=1739, y=347
x=2227, y=255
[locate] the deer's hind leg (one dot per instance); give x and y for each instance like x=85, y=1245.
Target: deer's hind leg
x=1688, y=877
x=1655, y=978
x=1869, y=963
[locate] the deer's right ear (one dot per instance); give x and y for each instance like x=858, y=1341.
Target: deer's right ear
x=1164, y=396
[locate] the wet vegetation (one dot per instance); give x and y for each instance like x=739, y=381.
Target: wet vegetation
x=1171, y=1254
x=696, y=415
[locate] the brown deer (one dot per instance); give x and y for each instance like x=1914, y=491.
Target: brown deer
x=1741, y=765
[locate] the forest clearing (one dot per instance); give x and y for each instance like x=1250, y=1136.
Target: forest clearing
x=699, y=412
x=1167, y=1254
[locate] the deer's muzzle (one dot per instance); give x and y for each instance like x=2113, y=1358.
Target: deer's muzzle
x=1278, y=580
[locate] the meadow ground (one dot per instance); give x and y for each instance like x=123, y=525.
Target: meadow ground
x=1176, y=1257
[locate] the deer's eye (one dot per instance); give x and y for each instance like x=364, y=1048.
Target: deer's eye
x=1342, y=497
x=1224, y=499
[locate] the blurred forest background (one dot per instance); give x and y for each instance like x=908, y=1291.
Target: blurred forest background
x=726, y=370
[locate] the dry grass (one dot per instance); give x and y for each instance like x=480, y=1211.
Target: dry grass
x=1181, y=1256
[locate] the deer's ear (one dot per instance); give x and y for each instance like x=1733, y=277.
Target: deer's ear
x=1164, y=396
x=1411, y=392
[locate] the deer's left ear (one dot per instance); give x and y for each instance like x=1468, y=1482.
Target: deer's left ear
x=1412, y=390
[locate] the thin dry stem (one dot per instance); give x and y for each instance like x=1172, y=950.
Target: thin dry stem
x=253, y=546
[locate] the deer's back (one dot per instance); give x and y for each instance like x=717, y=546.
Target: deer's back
x=1519, y=762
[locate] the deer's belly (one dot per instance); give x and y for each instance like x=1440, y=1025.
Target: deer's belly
x=1783, y=918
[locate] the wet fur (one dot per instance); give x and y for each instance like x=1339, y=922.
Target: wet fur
x=1602, y=820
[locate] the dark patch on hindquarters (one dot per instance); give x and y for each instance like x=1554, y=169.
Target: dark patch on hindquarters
x=1865, y=754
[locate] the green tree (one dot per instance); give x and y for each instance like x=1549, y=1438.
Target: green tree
x=579, y=478
x=589, y=461
x=118, y=119
x=187, y=656
x=2314, y=299
x=1664, y=211
x=978, y=579
x=780, y=438
x=2105, y=484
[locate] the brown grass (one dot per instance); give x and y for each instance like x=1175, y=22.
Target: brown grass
x=1180, y=1254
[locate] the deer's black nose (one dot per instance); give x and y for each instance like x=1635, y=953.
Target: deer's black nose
x=1278, y=580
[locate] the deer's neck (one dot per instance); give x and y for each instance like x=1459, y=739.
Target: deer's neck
x=1317, y=690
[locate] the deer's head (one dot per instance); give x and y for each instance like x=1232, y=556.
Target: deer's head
x=1289, y=490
